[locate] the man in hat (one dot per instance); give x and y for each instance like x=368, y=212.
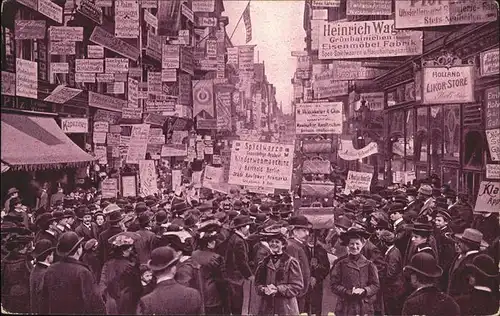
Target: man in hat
x=58, y=216
x=469, y=243
x=44, y=257
x=444, y=244
x=427, y=299
x=114, y=217
x=59, y=196
x=11, y=193
x=391, y=277
x=320, y=267
x=68, y=285
x=168, y=297
x=46, y=224
x=236, y=258
x=143, y=245
x=43, y=199
x=15, y=274
x=297, y=248
x=420, y=241
x=87, y=229
x=17, y=209
x=461, y=214
x=69, y=216
x=401, y=232
x=487, y=223
x=482, y=272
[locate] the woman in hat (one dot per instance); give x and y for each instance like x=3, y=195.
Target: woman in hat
x=15, y=274
x=278, y=277
x=44, y=256
x=354, y=279
x=120, y=277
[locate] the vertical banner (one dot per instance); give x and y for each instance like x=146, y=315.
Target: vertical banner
x=127, y=18
x=26, y=78
x=203, y=97
x=147, y=178
x=138, y=143
x=176, y=179
x=223, y=107
x=133, y=92
x=245, y=58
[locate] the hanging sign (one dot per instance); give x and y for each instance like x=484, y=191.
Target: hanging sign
x=430, y=13
x=133, y=92
x=8, y=83
x=488, y=198
x=150, y=19
x=127, y=18
x=493, y=138
x=85, y=77
x=169, y=75
x=444, y=85
x=51, y=10
x=489, y=62
x=261, y=164
x=131, y=113
x=492, y=100
x=357, y=181
x=326, y=3
x=367, y=39
x=114, y=65
x=346, y=150
x=89, y=65
x=203, y=97
x=369, y=7
x=106, y=102
x=492, y=171
x=223, y=107
x=170, y=57
x=327, y=88
x=62, y=48
x=320, y=117
x=129, y=185
x=108, y=40
x=203, y=21
x=187, y=12
x=173, y=150
x=26, y=78
x=62, y=94
x=66, y=33
x=74, y=125
x=147, y=177
x=59, y=68
x=138, y=143
x=29, y=29
x=115, y=88
x=105, y=77
x=109, y=188
x=350, y=70
x=203, y=5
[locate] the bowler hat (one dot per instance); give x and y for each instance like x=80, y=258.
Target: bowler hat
x=144, y=218
x=67, y=243
x=425, y=264
x=114, y=217
x=411, y=191
x=111, y=208
x=12, y=191
x=273, y=232
x=58, y=215
x=265, y=208
x=353, y=232
x=260, y=218
x=69, y=214
x=179, y=208
x=396, y=208
x=240, y=221
x=421, y=226
x=128, y=208
x=42, y=247
x=149, y=203
x=484, y=265
x=472, y=236
x=44, y=220
x=162, y=258
x=161, y=217
x=237, y=205
x=343, y=222
x=401, y=199
x=299, y=221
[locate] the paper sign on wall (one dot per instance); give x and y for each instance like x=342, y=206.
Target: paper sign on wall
x=488, y=198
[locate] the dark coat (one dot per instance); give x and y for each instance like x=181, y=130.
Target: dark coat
x=86, y=233
x=461, y=217
x=392, y=281
x=36, y=282
x=16, y=270
x=104, y=247
x=259, y=252
x=478, y=303
x=431, y=302
x=299, y=251
x=69, y=288
x=458, y=284
x=428, y=247
x=412, y=210
x=320, y=267
x=144, y=245
x=121, y=285
x=91, y=259
x=44, y=234
x=212, y=270
x=348, y=273
x=402, y=237
x=170, y=298
x=285, y=274
x=488, y=226
x=446, y=253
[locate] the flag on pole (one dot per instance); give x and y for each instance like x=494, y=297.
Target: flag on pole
x=248, y=23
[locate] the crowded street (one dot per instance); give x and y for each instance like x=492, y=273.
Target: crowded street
x=250, y=157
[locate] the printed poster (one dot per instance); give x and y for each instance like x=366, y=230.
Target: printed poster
x=127, y=18
x=358, y=181
x=138, y=143
x=203, y=97
x=320, y=117
x=109, y=188
x=488, y=198
x=26, y=78
x=147, y=177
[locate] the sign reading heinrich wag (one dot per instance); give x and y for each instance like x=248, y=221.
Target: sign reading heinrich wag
x=261, y=164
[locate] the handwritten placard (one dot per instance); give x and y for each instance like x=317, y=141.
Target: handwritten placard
x=493, y=138
x=29, y=29
x=129, y=185
x=109, y=188
x=488, y=198
x=358, y=181
x=492, y=101
x=26, y=78
x=148, y=178
x=490, y=62
x=492, y=172
x=443, y=85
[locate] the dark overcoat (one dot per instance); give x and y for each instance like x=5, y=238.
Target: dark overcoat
x=458, y=283
x=392, y=281
x=104, y=247
x=170, y=298
x=46, y=234
x=446, y=253
x=478, y=303
x=212, y=270
x=69, y=288
x=144, y=245
x=402, y=237
x=86, y=233
x=298, y=250
x=91, y=259
x=286, y=275
x=320, y=267
x=349, y=272
x=430, y=301
x=15, y=279
x=488, y=226
x=36, y=282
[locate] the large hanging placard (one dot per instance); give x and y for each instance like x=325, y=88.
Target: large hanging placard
x=320, y=117
x=488, y=198
x=492, y=100
x=127, y=18
x=347, y=152
x=493, y=139
x=203, y=97
x=147, y=177
x=430, y=13
x=367, y=39
x=223, y=107
x=138, y=143
x=358, y=181
x=445, y=85
x=109, y=188
x=26, y=78
x=489, y=62
x=261, y=164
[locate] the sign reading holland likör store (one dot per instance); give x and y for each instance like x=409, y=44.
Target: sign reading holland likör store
x=367, y=39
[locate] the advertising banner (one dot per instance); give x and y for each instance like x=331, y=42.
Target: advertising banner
x=147, y=177
x=367, y=39
x=105, y=77
x=246, y=58
x=347, y=151
x=261, y=164
x=127, y=18
x=420, y=14
x=170, y=57
x=351, y=70
x=185, y=89
x=29, y=29
x=374, y=100
x=232, y=56
x=326, y=3
x=26, y=78
x=492, y=100
x=75, y=125
x=89, y=65
x=223, y=107
x=66, y=33
x=108, y=40
x=490, y=62
x=369, y=7
x=493, y=138
x=203, y=97
x=138, y=143
x=62, y=94
x=59, y=68
x=187, y=12
x=51, y=10
x=131, y=113
x=488, y=198
x=186, y=60
x=109, y=188
x=114, y=65
x=444, y=85
x=101, y=153
x=106, y=102
x=62, y=48
x=154, y=83
x=319, y=118
x=327, y=88
x=174, y=150
x=85, y=77
x=133, y=92
x=357, y=181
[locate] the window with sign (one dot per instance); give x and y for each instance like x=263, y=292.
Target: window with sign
x=436, y=139
x=451, y=132
x=422, y=135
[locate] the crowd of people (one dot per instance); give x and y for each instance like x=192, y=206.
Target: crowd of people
x=409, y=250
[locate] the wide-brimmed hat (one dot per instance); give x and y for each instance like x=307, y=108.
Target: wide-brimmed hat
x=12, y=191
x=114, y=217
x=89, y=244
x=472, y=236
x=484, y=265
x=209, y=225
x=69, y=214
x=343, y=222
x=240, y=221
x=67, y=243
x=421, y=226
x=177, y=239
x=111, y=208
x=299, y=221
x=162, y=258
x=44, y=219
x=425, y=189
x=424, y=264
x=274, y=231
x=123, y=239
x=396, y=207
x=353, y=232
x=42, y=247
x=443, y=213
x=14, y=240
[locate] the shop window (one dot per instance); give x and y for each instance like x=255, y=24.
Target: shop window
x=436, y=139
x=409, y=133
x=422, y=135
x=451, y=132
x=473, y=149
x=397, y=122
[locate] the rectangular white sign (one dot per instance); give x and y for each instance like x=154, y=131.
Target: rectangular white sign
x=89, y=65
x=489, y=62
x=488, y=198
x=133, y=92
x=66, y=33
x=358, y=181
x=147, y=178
x=170, y=57
x=105, y=77
x=127, y=18
x=493, y=139
x=327, y=88
x=369, y=7
x=59, y=68
x=95, y=51
x=444, y=85
x=26, y=78
x=150, y=19
x=62, y=48
x=75, y=125
x=492, y=171
x=326, y=3
x=203, y=5
x=51, y=10
x=62, y=94
x=85, y=77
x=318, y=118
x=430, y=13
x=261, y=164
x=114, y=65
x=367, y=39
